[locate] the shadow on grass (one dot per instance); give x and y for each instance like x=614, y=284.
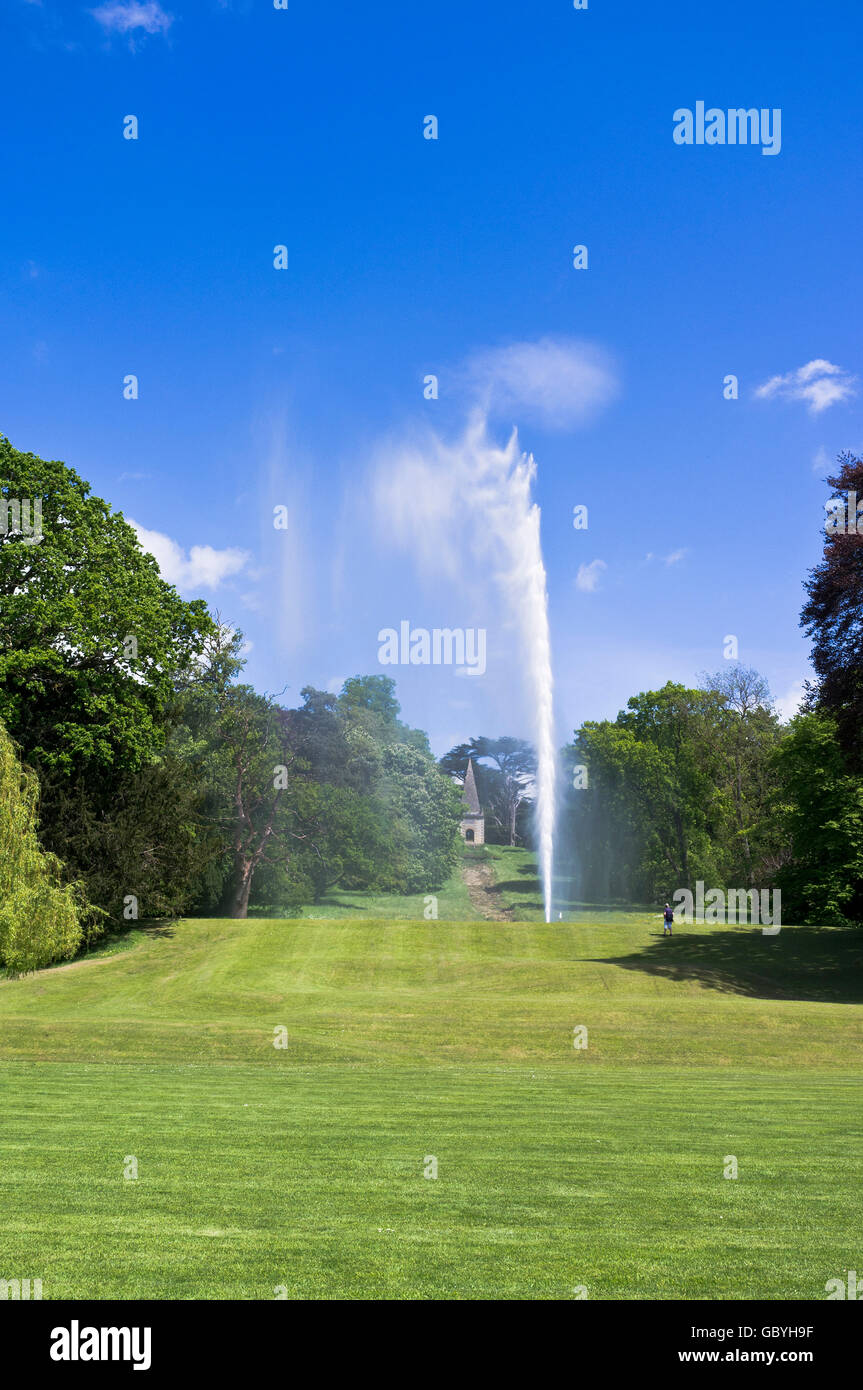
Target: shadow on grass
x=156, y=928
x=512, y=885
x=806, y=963
x=295, y=914
x=164, y=926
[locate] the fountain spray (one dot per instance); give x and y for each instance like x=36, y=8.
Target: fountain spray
x=437, y=497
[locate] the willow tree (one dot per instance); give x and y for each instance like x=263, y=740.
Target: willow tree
x=42, y=919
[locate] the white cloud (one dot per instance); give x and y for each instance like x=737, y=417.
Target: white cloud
x=787, y=705
x=203, y=567
x=558, y=381
x=673, y=558
x=819, y=383
x=122, y=16
x=822, y=463
x=588, y=577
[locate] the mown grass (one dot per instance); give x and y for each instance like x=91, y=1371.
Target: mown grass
x=450, y=902
x=302, y=1167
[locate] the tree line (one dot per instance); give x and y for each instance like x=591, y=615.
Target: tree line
x=140, y=776
x=159, y=781
x=708, y=783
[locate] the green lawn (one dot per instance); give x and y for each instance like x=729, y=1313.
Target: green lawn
x=451, y=901
x=558, y=1167
x=518, y=889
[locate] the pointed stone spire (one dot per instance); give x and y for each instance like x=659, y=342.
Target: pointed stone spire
x=470, y=792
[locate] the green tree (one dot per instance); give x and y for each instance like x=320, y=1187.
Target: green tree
x=93, y=644
x=821, y=806
x=425, y=809
x=369, y=703
x=656, y=774
x=749, y=732
x=92, y=639
x=681, y=786
x=42, y=917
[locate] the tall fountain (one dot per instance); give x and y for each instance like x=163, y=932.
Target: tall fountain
x=443, y=498
x=523, y=579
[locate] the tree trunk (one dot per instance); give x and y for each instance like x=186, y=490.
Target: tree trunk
x=242, y=888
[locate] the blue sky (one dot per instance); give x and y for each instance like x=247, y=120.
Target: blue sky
x=409, y=256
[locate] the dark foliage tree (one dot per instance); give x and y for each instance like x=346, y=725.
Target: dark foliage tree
x=832, y=617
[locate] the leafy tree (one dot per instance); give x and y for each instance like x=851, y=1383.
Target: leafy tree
x=681, y=786
x=673, y=778
x=822, y=808
x=93, y=643
x=397, y=817
x=92, y=639
x=832, y=618
x=425, y=809
x=263, y=792
x=748, y=734
x=235, y=743
x=603, y=838
x=655, y=774
x=337, y=791
x=42, y=917
x=369, y=703
x=148, y=840
x=340, y=741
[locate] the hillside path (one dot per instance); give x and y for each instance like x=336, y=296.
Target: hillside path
x=482, y=891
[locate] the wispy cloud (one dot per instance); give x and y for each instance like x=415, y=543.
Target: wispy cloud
x=819, y=384
x=588, y=577
x=560, y=382
x=203, y=567
x=788, y=705
x=675, y=557
x=822, y=463
x=124, y=16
